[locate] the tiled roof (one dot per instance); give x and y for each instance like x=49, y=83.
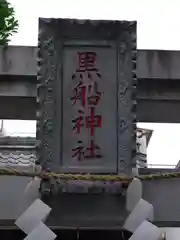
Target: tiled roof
x=17, y=150
x=17, y=157
x=22, y=150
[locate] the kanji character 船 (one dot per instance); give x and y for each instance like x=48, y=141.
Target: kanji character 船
x=95, y=95
x=86, y=94
x=79, y=93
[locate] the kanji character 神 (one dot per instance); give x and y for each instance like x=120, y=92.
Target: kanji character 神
x=78, y=123
x=91, y=122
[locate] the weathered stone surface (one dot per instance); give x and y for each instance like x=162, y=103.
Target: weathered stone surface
x=106, y=51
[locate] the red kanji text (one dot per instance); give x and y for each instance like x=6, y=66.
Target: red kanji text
x=90, y=122
x=78, y=123
x=93, y=121
x=81, y=152
x=79, y=93
x=87, y=63
x=86, y=94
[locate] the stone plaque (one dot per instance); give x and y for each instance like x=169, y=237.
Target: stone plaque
x=89, y=88
x=86, y=84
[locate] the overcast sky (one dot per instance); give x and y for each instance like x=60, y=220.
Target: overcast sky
x=158, y=27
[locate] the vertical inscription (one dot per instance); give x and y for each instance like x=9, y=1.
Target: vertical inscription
x=90, y=112
x=86, y=91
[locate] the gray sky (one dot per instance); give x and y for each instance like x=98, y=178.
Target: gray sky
x=158, y=21
x=157, y=28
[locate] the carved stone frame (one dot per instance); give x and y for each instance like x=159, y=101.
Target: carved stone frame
x=53, y=35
